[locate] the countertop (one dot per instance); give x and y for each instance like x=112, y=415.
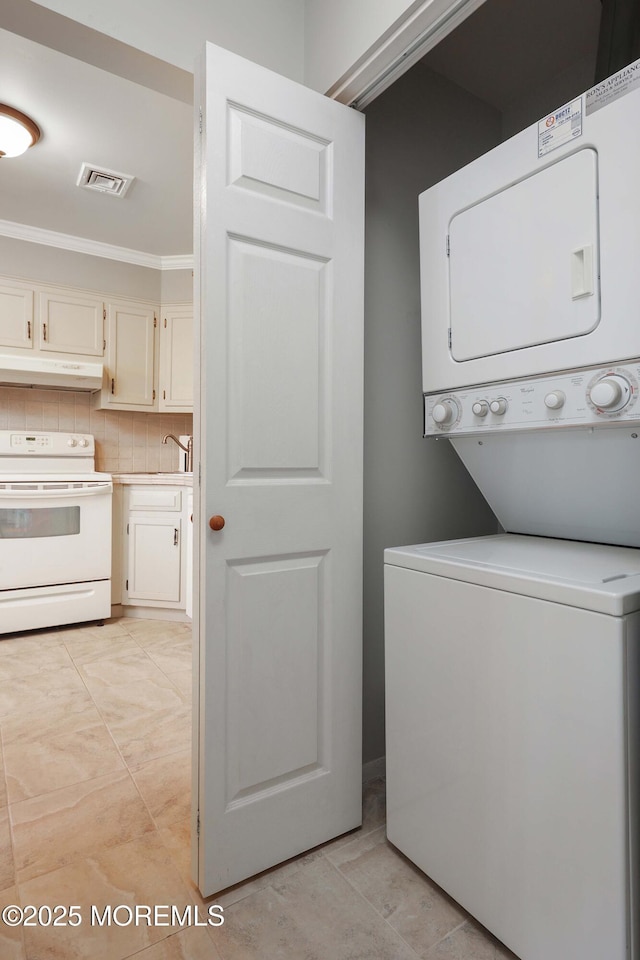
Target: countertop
x=166, y=479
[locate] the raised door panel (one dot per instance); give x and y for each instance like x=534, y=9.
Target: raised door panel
x=153, y=569
x=16, y=315
x=176, y=359
x=276, y=665
x=278, y=361
x=130, y=356
x=71, y=324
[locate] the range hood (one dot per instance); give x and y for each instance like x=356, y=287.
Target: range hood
x=45, y=372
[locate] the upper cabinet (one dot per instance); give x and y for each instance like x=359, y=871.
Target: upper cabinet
x=175, y=383
x=149, y=358
x=129, y=381
x=16, y=315
x=147, y=348
x=70, y=323
x=51, y=320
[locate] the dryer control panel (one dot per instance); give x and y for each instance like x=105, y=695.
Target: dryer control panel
x=587, y=397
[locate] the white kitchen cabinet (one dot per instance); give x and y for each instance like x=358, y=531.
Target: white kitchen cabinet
x=153, y=554
x=154, y=567
x=148, y=366
x=70, y=323
x=175, y=386
x=16, y=315
x=117, y=508
x=129, y=379
x=50, y=320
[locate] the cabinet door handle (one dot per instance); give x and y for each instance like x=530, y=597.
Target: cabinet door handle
x=113, y=385
x=28, y=329
x=175, y=537
x=217, y=522
x=44, y=332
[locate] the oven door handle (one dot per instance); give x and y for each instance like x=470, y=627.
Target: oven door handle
x=56, y=494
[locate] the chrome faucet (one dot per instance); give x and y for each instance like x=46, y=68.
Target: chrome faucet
x=188, y=449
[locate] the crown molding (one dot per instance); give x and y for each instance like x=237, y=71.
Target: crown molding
x=93, y=248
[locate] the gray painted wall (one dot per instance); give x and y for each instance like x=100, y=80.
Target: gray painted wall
x=419, y=131
x=553, y=93
x=37, y=261
x=45, y=264
x=176, y=286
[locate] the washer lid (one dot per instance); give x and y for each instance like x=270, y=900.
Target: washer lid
x=592, y=576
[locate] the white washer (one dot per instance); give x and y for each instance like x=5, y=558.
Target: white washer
x=512, y=671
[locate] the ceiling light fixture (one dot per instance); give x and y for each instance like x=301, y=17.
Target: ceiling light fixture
x=17, y=132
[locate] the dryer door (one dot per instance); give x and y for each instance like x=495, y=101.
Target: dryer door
x=523, y=263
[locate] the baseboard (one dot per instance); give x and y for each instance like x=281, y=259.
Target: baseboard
x=149, y=613
x=374, y=769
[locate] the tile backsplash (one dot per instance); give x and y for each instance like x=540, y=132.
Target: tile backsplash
x=126, y=442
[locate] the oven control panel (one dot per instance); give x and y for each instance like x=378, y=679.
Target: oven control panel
x=586, y=397
x=25, y=443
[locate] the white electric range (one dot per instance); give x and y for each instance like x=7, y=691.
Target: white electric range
x=55, y=531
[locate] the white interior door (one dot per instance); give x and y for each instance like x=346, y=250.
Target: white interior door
x=281, y=216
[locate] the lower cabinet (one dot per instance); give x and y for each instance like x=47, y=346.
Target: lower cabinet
x=154, y=548
x=154, y=563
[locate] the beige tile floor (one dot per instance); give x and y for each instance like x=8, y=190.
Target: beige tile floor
x=94, y=811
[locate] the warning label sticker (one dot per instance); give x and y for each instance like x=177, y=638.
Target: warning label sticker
x=558, y=128
x=624, y=81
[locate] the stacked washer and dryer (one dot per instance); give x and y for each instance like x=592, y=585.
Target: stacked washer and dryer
x=513, y=661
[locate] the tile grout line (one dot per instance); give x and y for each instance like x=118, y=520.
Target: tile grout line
x=120, y=754
x=433, y=945
x=375, y=910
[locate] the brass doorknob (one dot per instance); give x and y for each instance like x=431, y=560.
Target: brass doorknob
x=217, y=522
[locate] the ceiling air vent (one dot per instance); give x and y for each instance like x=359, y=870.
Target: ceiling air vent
x=97, y=178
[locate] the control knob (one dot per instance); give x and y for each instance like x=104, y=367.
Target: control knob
x=480, y=408
x=555, y=400
x=611, y=393
x=444, y=412
x=83, y=442
x=71, y=442
x=499, y=406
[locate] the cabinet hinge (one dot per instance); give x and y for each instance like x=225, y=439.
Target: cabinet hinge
x=164, y=394
x=154, y=395
x=104, y=345
x=165, y=323
x=126, y=584
x=448, y=246
x=155, y=321
x=104, y=313
x=449, y=333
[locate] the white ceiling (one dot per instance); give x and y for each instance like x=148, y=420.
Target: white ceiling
x=91, y=115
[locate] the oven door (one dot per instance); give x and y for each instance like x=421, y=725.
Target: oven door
x=54, y=533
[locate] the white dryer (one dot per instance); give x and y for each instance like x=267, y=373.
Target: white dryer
x=512, y=690
x=529, y=255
